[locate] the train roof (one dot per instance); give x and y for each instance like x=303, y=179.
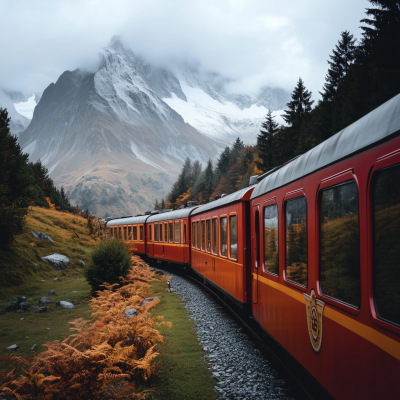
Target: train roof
x=128, y=221
x=177, y=214
x=372, y=128
x=223, y=201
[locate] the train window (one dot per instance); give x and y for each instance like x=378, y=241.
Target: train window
x=171, y=232
x=233, y=242
x=386, y=239
x=125, y=233
x=150, y=235
x=340, y=244
x=184, y=233
x=257, y=229
x=141, y=232
x=193, y=234
x=119, y=233
x=271, y=249
x=177, y=232
x=215, y=235
x=135, y=233
x=224, y=236
x=129, y=233
x=165, y=232
x=203, y=235
x=156, y=232
x=296, y=240
x=111, y=231
x=208, y=223
x=198, y=234
x=161, y=232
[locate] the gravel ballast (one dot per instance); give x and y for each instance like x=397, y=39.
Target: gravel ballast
x=240, y=369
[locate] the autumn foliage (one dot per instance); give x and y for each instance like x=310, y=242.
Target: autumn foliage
x=107, y=358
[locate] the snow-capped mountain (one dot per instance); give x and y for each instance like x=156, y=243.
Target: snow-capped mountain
x=125, y=129
x=212, y=109
x=18, y=122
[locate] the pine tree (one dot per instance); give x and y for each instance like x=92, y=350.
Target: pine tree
x=223, y=161
x=15, y=183
x=156, y=205
x=162, y=204
x=296, y=115
x=341, y=58
x=209, y=181
x=265, y=143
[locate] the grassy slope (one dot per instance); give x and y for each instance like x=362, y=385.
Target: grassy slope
x=19, y=276
x=184, y=374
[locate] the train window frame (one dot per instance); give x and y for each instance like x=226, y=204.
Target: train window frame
x=160, y=233
x=198, y=236
x=208, y=234
x=156, y=232
x=193, y=235
x=214, y=239
x=233, y=214
x=203, y=235
x=150, y=233
x=334, y=180
x=184, y=232
x=299, y=193
x=129, y=233
x=268, y=274
x=321, y=190
x=170, y=232
x=165, y=232
x=177, y=234
x=134, y=233
x=141, y=233
x=219, y=236
x=387, y=161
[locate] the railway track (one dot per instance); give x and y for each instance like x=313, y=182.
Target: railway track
x=299, y=383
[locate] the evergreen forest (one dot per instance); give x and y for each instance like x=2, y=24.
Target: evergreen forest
x=362, y=74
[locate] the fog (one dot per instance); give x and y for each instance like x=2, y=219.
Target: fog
x=254, y=42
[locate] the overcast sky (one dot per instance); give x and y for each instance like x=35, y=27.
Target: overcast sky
x=256, y=42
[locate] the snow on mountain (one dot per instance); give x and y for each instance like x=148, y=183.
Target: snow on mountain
x=212, y=109
x=26, y=107
x=18, y=122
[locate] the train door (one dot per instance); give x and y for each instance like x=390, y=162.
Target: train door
x=150, y=243
x=255, y=253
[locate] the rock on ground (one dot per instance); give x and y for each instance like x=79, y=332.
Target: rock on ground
x=41, y=236
x=66, y=305
x=130, y=312
x=20, y=304
x=45, y=300
x=13, y=347
x=56, y=260
x=41, y=309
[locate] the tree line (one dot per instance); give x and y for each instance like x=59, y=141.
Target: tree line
x=361, y=76
x=22, y=184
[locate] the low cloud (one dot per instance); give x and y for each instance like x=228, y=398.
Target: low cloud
x=256, y=43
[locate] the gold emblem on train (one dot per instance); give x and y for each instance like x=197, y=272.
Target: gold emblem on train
x=315, y=311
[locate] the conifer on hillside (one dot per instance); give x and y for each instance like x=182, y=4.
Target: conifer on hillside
x=15, y=183
x=265, y=143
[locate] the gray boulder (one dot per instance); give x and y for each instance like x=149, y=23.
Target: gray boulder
x=21, y=299
x=130, y=312
x=13, y=347
x=41, y=309
x=41, y=236
x=149, y=299
x=51, y=292
x=66, y=305
x=57, y=261
x=23, y=305
x=45, y=300
x=34, y=347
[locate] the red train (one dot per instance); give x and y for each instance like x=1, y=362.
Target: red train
x=312, y=251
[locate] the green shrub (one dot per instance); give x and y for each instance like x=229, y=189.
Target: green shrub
x=108, y=262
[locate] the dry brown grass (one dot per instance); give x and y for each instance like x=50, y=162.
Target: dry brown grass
x=108, y=357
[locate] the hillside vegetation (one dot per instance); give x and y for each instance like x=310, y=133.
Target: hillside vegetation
x=21, y=264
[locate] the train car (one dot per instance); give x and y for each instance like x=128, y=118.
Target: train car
x=325, y=233
x=132, y=230
x=168, y=236
x=219, y=249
